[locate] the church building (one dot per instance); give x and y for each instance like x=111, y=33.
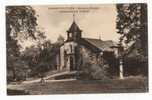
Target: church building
x=76, y=52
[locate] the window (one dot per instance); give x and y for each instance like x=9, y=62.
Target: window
x=70, y=35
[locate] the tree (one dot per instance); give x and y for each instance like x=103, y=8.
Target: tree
x=20, y=20
x=132, y=25
x=60, y=39
x=41, y=58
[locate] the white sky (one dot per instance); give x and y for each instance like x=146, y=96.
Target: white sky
x=92, y=23
x=99, y=20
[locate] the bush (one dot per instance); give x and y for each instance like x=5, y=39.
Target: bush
x=95, y=71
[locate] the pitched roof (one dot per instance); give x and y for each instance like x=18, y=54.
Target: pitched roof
x=103, y=45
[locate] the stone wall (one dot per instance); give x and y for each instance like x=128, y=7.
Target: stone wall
x=88, y=56
x=92, y=64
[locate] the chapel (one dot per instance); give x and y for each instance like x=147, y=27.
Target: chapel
x=76, y=51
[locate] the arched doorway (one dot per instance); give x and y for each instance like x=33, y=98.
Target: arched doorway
x=71, y=63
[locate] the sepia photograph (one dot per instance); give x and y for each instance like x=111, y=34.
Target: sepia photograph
x=77, y=49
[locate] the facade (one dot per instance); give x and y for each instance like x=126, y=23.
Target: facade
x=77, y=51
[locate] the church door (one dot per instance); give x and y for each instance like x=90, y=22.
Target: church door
x=71, y=63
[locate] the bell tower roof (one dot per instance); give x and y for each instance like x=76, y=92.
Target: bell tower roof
x=74, y=32
x=74, y=28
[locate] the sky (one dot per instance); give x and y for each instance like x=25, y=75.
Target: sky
x=95, y=21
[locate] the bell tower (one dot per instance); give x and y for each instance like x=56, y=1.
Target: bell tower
x=70, y=46
x=74, y=32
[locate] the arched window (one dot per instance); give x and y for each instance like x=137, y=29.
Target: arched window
x=70, y=35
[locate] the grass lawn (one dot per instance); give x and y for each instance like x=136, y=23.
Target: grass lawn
x=128, y=85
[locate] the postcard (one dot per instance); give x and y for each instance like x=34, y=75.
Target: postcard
x=77, y=49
